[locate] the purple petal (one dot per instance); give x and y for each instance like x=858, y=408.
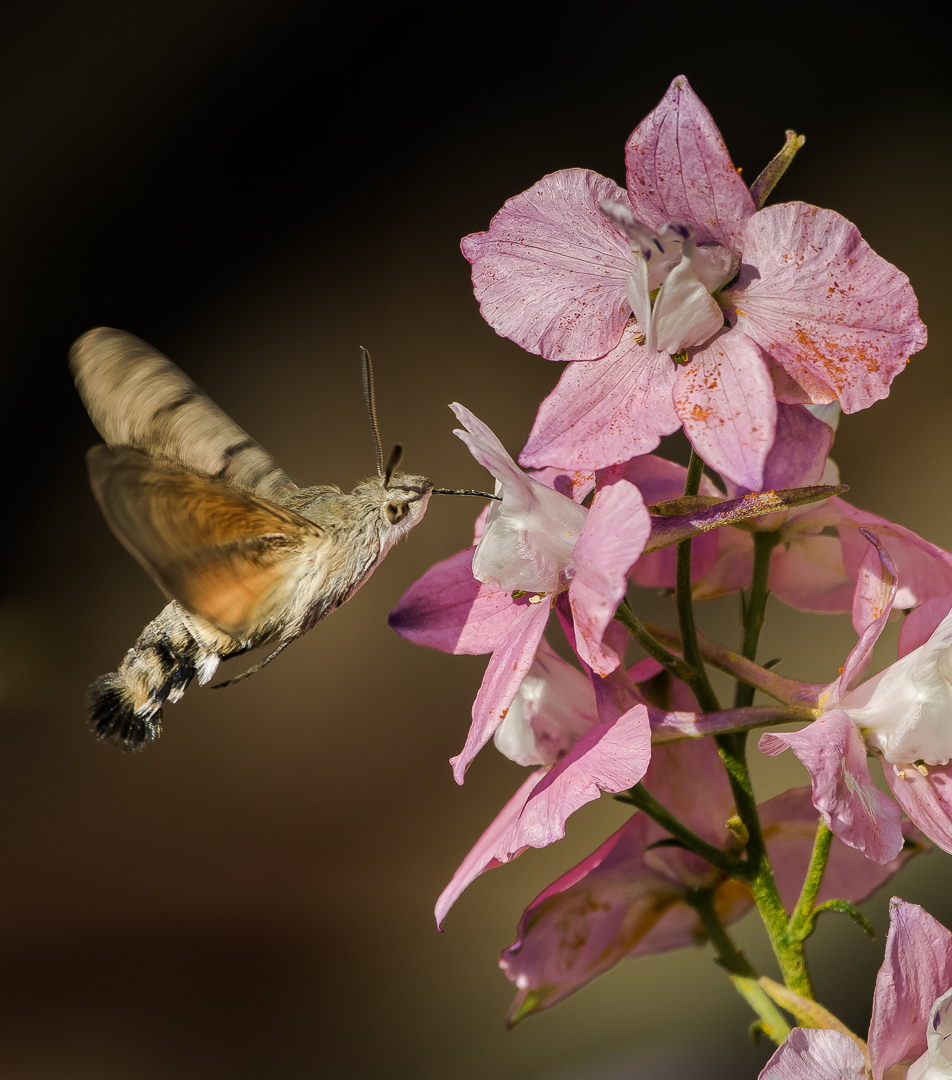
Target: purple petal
x=689, y=779
x=489, y=850
x=919, y=625
x=790, y=822
x=506, y=669
x=816, y=1054
x=815, y=296
x=449, y=610
x=550, y=272
x=917, y=970
x=927, y=800
x=678, y=167
x=605, y=411
x=834, y=755
x=808, y=574
x=615, y=532
x=586, y=921
x=800, y=449
x=725, y=399
x=733, y=568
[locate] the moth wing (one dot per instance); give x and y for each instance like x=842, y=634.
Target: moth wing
x=138, y=398
x=225, y=555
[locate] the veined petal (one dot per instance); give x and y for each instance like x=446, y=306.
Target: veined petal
x=834, y=755
x=725, y=400
x=916, y=971
x=507, y=668
x=936, y=1062
x=800, y=449
x=550, y=272
x=614, y=535
x=815, y=296
x=449, y=610
x=605, y=411
x=678, y=167
x=816, y=1054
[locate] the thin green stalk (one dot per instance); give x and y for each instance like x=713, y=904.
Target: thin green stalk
x=671, y=663
x=700, y=683
x=742, y=975
x=803, y=917
x=718, y=858
x=755, y=608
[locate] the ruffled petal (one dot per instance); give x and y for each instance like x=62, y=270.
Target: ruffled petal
x=834, y=755
x=678, y=167
x=917, y=970
x=816, y=296
x=550, y=272
x=605, y=411
x=725, y=400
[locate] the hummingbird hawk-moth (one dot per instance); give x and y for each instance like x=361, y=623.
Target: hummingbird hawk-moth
x=246, y=557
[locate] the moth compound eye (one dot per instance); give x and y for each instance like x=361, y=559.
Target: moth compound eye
x=397, y=511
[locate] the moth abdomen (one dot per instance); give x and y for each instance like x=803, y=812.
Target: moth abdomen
x=111, y=703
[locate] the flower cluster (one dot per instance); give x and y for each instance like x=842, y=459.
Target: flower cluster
x=682, y=301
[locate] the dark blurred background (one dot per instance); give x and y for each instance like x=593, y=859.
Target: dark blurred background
x=258, y=188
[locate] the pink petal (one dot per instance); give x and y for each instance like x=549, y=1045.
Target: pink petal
x=576, y=485
x=800, y=449
x=586, y=921
x=872, y=603
x=927, y=800
x=815, y=296
x=785, y=388
x=919, y=625
x=809, y=576
x=689, y=779
x=678, y=167
x=506, y=670
x=725, y=399
x=834, y=755
x=614, y=534
x=608, y=757
x=449, y=610
x=816, y=1054
x=917, y=969
x=550, y=272
x=790, y=822
x=733, y=568
x=605, y=411
x=489, y=850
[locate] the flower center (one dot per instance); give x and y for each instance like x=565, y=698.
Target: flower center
x=670, y=287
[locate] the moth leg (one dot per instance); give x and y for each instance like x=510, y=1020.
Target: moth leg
x=244, y=675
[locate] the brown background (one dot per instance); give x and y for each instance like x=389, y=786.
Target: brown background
x=257, y=189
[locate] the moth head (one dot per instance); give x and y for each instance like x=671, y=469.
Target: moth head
x=399, y=504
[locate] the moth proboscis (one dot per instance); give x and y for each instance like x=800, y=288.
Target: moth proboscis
x=246, y=557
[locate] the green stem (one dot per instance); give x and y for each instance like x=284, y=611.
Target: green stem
x=700, y=683
x=733, y=751
x=741, y=973
x=718, y=858
x=803, y=918
x=671, y=663
x=755, y=609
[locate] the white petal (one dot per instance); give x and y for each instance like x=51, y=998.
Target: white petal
x=685, y=313
x=936, y=1062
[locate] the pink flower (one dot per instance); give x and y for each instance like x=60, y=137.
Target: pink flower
x=570, y=269
x=903, y=714
x=631, y=898
x=912, y=1014
x=536, y=544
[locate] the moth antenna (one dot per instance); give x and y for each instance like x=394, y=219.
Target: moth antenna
x=367, y=372
x=467, y=491
x=396, y=456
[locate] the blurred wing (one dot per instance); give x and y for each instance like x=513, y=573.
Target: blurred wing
x=138, y=398
x=222, y=554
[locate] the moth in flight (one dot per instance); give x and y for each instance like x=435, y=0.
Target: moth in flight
x=246, y=557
